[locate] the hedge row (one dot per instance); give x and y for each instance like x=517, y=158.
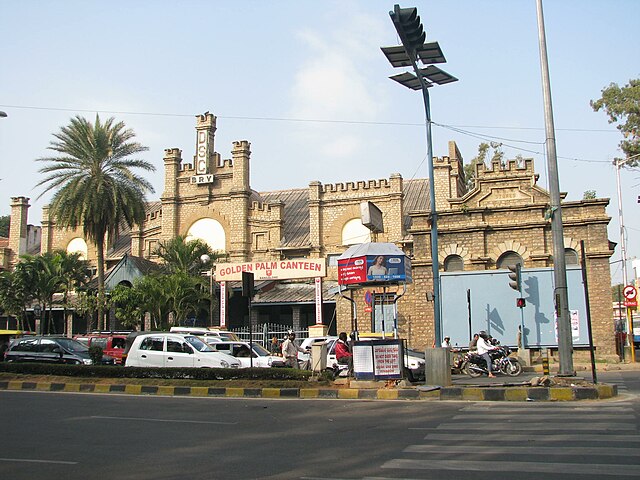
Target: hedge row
x=105, y=371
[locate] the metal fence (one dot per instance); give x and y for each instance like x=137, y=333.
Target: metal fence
x=263, y=333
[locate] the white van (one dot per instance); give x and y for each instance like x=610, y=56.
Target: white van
x=206, y=333
x=161, y=349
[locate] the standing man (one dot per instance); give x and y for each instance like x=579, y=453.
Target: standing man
x=290, y=351
x=473, y=344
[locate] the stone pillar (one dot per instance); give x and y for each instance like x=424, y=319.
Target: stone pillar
x=296, y=319
x=315, y=214
x=18, y=228
x=205, y=134
x=172, y=162
x=240, y=241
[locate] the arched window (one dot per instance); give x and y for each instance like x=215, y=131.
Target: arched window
x=355, y=232
x=571, y=257
x=453, y=263
x=509, y=258
x=78, y=245
x=209, y=231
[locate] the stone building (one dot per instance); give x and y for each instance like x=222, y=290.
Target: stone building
x=503, y=219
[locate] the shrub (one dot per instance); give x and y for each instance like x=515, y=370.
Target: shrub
x=108, y=371
x=96, y=353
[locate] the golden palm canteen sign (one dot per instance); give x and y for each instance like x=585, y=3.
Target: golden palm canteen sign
x=272, y=270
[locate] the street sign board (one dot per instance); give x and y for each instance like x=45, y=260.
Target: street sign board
x=630, y=296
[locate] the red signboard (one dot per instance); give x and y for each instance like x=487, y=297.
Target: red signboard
x=352, y=270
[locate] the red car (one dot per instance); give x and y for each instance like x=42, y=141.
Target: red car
x=112, y=343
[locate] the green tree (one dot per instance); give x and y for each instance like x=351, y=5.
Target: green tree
x=589, y=195
x=94, y=182
x=15, y=295
x=42, y=273
x=128, y=302
x=74, y=273
x=180, y=255
x=5, y=220
x=481, y=157
x=622, y=106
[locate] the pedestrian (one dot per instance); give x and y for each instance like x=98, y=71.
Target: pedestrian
x=473, y=344
x=446, y=343
x=290, y=351
x=275, y=347
x=343, y=352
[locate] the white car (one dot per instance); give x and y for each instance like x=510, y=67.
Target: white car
x=308, y=342
x=205, y=333
x=240, y=350
x=414, y=360
x=175, y=350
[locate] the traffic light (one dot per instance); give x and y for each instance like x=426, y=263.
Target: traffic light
x=409, y=27
x=515, y=276
x=521, y=302
x=247, y=284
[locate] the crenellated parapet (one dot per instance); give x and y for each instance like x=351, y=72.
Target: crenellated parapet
x=343, y=187
x=498, y=169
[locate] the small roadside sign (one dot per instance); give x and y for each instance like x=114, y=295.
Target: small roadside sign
x=630, y=296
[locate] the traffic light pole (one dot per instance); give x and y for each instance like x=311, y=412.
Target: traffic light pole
x=561, y=299
x=411, y=34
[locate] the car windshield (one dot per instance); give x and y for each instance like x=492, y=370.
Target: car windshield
x=72, y=345
x=198, y=344
x=260, y=350
x=415, y=353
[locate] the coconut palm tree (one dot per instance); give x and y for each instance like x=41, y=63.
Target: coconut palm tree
x=94, y=184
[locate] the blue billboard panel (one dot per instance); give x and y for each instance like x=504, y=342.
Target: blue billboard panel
x=388, y=268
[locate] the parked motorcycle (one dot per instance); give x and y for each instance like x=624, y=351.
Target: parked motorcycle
x=500, y=362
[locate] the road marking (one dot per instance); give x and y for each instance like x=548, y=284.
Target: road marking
x=100, y=417
x=537, y=438
x=558, y=450
x=33, y=460
x=549, y=418
x=529, y=467
x=536, y=427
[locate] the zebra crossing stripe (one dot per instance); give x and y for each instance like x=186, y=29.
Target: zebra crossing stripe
x=528, y=467
x=538, y=438
x=604, y=426
x=557, y=450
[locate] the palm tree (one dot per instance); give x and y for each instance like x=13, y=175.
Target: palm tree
x=180, y=255
x=94, y=183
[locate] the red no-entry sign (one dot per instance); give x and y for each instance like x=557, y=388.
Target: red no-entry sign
x=630, y=296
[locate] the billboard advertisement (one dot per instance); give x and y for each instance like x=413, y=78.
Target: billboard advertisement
x=374, y=269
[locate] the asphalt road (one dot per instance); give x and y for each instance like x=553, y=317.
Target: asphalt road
x=84, y=436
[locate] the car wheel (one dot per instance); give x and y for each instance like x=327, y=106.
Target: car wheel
x=409, y=375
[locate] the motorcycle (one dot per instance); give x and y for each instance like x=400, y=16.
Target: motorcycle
x=500, y=362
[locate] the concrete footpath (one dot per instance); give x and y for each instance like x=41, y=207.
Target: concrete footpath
x=501, y=388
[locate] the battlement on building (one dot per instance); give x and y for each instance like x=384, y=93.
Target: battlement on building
x=262, y=206
x=499, y=169
x=154, y=214
x=355, y=186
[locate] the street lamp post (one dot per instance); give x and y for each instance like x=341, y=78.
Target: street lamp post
x=205, y=259
x=619, y=163
x=409, y=28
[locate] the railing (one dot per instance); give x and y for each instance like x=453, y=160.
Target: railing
x=263, y=333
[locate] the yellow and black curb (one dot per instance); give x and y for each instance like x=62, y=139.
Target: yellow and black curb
x=518, y=393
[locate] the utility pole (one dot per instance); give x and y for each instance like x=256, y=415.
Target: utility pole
x=565, y=342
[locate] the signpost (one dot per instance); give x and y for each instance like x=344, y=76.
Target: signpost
x=630, y=300
x=630, y=296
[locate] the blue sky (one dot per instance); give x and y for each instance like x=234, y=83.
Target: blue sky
x=305, y=82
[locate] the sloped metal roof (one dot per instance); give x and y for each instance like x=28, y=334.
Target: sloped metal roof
x=296, y=215
x=287, y=293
